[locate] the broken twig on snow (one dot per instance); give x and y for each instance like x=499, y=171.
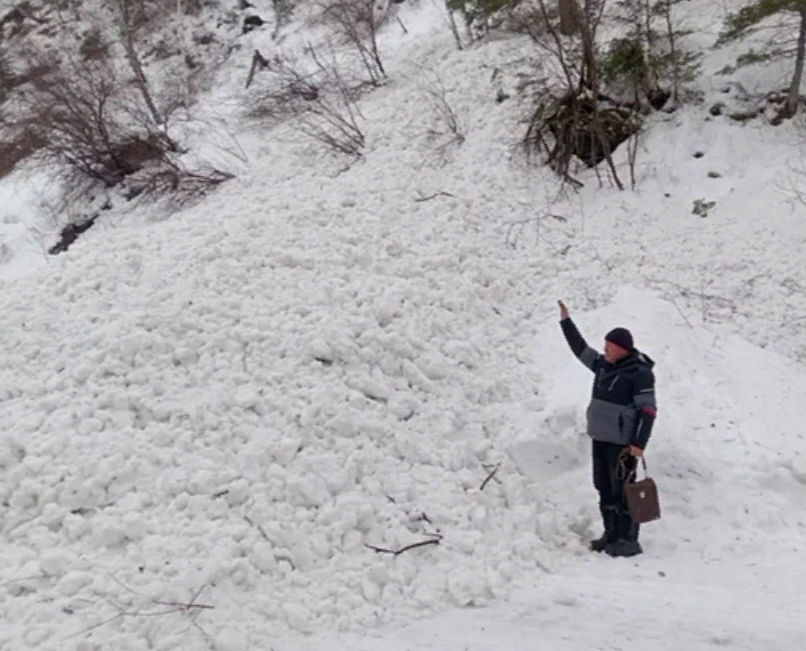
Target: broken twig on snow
x=421, y=198
x=434, y=540
x=258, y=527
x=494, y=470
x=172, y=607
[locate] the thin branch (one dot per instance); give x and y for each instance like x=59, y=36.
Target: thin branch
x=175, y=607
x=421, y=198
x=203, y=632
x=434, y=540
x=685, y=318
x=198, y=592
x=156, y=613
x=424, y=518
x=258, y=62
x=488, y=467
x=110, y=601
x=185, y=606
x=258, y=527
x=490, y=476
x=121, y=584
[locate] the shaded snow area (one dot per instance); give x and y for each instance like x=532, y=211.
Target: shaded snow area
x=209, y=422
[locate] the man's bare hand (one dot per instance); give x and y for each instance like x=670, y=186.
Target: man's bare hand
x=636, y=451
x=563, y=310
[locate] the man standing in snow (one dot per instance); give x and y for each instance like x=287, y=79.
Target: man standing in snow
x=620, y=418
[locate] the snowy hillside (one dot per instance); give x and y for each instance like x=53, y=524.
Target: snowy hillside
x=210, y=420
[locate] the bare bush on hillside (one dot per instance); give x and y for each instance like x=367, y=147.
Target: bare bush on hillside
x=450, y=130
x=356, y=23
x=315, y=98
x=573, y=119
x=333, y=117
x=91, y=122
x=91, y=128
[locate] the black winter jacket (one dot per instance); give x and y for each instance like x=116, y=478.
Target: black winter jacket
x=622, y=408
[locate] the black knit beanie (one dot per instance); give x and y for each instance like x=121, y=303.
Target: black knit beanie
x=621, y=337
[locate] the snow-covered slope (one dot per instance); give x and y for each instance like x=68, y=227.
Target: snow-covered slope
x=227, y=407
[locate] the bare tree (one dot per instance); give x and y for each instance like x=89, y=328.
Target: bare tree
x=127, y=35
x=672, y=36
x=572, y=121
x=91, y=127
x=793, y=97
x=454, y=27
x=750, y=19
x=357, y=23
x=79, y=110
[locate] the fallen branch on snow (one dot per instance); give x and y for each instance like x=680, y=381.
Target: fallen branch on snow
x=173, y=607
x=259, y=62
x=495, y=469
x=421, y=198
x=434, y=540
x=424, y=518
x=258, y=527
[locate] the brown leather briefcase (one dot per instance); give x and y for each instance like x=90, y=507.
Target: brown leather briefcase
x=642, y=498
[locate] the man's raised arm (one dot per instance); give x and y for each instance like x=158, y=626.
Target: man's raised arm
x=576, y=342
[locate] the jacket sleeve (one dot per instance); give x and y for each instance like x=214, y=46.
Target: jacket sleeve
x=587, y=355
x=644, y=400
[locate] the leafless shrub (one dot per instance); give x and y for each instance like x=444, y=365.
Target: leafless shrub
x=574, y=119
x=180, y=187
x=450, y=132
x=91, y=128
x=90, y=122
x=437, y=97
x=316, y=100
x=579, y=125
x=131, y=605
x=286, y=85
x=332, y=118
x=356, y=23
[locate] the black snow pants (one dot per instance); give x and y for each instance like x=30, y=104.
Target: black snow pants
x=611, y=471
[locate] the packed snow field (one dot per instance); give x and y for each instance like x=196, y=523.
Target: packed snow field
x=230, y=407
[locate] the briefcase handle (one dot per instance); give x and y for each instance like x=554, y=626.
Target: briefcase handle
x=634, y=472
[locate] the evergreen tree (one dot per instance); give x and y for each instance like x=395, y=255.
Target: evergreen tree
x=647, y=58
x=748, y=20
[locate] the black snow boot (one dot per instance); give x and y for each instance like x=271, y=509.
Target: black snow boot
x=626, y=543
x=609, y=520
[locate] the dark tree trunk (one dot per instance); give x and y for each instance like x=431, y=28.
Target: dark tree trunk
x=794, y=90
